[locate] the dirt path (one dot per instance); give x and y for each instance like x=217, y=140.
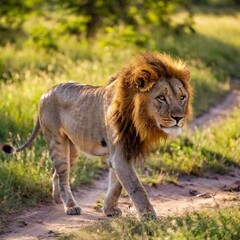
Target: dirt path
x=219, y=111
x=189, y=194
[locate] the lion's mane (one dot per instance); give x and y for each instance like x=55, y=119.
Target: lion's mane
x=133, y=127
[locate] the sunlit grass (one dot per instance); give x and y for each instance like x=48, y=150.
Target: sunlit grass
x=211, y=224
x=25, y=179
x=214, y=46
x=220, y=30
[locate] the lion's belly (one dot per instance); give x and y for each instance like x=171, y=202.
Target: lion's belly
x=90, y=142
x=92, y=148
x=96, y=151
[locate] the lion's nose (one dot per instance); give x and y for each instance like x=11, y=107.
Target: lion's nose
x=177, y=118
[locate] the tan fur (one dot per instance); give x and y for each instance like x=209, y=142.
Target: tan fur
x=121, y=121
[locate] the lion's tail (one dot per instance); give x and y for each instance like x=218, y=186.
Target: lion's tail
x=10, y=149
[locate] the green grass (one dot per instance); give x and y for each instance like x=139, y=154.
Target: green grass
x=28, y=68
x=211, y=224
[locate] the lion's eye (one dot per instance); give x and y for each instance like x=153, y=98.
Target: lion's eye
x=183, y=98
x=161, y=99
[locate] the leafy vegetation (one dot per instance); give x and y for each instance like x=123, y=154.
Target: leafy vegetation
x=45, y=43
x=211, y=224
x=88, y=16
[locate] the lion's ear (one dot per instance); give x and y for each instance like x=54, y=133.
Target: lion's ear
x=140, y=82
x=143, y=81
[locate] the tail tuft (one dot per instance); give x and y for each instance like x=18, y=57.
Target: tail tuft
x=8, y=149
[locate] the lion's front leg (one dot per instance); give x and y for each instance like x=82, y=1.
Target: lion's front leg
x=110, y=208
x=126, y=174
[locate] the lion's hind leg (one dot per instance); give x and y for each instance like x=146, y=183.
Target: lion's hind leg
x=110, y=208
x=74, y=152
x=55, y=188
x=59, y=147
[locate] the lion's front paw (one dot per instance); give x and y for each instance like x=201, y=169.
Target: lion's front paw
x=113, y=212
x=76, y=210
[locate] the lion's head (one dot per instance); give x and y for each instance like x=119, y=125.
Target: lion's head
x=152, y=100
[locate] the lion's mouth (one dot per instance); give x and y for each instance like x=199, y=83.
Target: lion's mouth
x=173, y=130
x=174, y=126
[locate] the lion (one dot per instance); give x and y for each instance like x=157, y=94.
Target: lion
x=148, y=99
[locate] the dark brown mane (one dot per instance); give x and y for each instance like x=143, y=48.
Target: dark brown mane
x=140, y=75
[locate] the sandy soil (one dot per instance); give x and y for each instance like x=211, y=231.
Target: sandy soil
x=189, y=194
